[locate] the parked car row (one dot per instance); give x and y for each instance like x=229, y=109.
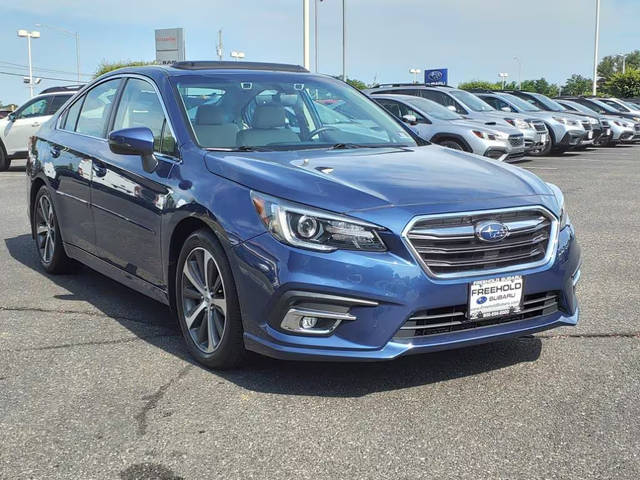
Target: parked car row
x=545, y=124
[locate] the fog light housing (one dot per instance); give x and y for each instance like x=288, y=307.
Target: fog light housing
x=313, y=322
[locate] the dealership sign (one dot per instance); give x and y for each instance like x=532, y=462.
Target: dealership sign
x=170, y=45
x=438, y=76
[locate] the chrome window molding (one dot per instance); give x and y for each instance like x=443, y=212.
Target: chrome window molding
x=547, y=259
x=84, y=91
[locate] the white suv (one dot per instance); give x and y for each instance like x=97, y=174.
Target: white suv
x=19, y=126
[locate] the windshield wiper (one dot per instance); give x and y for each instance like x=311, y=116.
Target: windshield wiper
x=249, y=148
x=347, y=145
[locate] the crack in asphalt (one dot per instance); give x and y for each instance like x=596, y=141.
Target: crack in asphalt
x=69, y=312
x=82, y=344
x=154, y=398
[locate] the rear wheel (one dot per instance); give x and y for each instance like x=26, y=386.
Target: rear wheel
x=207, y=303
x=5, y=163
x=450, y=143
x=46, y=232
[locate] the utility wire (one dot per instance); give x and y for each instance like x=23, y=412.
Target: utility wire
x=50, y=70
x=74, y=81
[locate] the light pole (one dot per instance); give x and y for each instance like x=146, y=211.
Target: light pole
x=75, y=35
x=29, y=36
x=237, y=55
x=344, y=42
x=305, y=33
x=595, y=49
x=504, y=77
x=519, y=72
x=415, y=72
x=624, y=62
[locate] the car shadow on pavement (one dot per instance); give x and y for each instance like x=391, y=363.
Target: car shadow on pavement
x=140, y=315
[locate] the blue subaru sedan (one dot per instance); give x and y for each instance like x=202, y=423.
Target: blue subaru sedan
x=285, y=213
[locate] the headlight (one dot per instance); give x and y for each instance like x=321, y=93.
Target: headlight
x=618, y=123
x=636, y=119
x=593, y=121
x=315, y=229
x=518, y=123
x=561, y=120
x=564, y=216
x=488, y=135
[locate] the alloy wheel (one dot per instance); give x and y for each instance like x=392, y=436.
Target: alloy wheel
x=45, y=229
x=204, y=304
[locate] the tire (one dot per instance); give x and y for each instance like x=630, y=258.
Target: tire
x=5, y=163
x=208, y=309
x=452, y=144
x=46, y=232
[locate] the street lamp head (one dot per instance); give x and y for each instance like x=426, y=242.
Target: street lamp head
x=35, y=34
x=23, y=33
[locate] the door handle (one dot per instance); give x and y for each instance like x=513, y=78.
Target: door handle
x=55, y=151
x=35, y=124
x=99, y=170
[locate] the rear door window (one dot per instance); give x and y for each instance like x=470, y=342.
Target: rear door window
x=56, y=102
x=96, y=109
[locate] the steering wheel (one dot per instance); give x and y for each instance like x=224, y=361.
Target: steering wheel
x=326, y=128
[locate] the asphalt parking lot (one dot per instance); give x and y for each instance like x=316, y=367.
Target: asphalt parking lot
x=95, y=381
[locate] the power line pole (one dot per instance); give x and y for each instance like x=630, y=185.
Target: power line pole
x=305, y=34
x=219, y=47
x=344, y=42
x=315, y=33
x=595, y=49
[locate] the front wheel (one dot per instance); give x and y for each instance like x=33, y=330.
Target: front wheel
x=453, y=144
x=207, y=303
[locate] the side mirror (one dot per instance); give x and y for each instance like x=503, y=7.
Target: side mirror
x=135, y=141
x=410, y=119
x=451, y=107
x=11, y=116
x=505, y=109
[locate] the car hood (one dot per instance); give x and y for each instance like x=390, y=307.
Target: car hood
x=370, y=178
x=478, y=124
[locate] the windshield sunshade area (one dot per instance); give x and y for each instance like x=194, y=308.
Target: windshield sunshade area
x=518, y=102
x=433, y=109
x=274, y=111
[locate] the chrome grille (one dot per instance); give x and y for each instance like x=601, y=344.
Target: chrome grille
x=452, y=319
x=516, y=140
x=447, y=246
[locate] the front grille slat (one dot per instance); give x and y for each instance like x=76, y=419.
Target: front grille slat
x=447, y=245
x=433, y=322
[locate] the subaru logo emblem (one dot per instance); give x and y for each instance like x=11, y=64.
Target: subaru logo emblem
x=435, y=75
x=491, y=231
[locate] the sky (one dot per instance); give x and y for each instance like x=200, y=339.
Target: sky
x=475, y=39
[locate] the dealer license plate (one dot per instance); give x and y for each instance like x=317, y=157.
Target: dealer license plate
x=496, y=297
x=543, y=138
x=589, y=135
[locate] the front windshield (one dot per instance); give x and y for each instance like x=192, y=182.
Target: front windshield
x=432, y=109
x=471, y=101
x=583, y=108
x=283, y=111
x=519, y=103
x=632, y=106
x=548, y=103
x=615, y=105
x=601, y=106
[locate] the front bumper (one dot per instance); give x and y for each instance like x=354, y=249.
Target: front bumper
x=387, y=289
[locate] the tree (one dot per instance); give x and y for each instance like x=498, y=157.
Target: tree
x=359, y=84
x=480, y=84
x=577, y=85
x=624, y=85
x=613, y=63
x=106, y=66
x=540, y=86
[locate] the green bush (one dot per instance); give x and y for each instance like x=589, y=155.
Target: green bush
x=624, y=85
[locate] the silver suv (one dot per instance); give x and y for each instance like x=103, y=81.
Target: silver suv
x=440, y=125
x=616, y=129
x=471, y=107
x=563, y=125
